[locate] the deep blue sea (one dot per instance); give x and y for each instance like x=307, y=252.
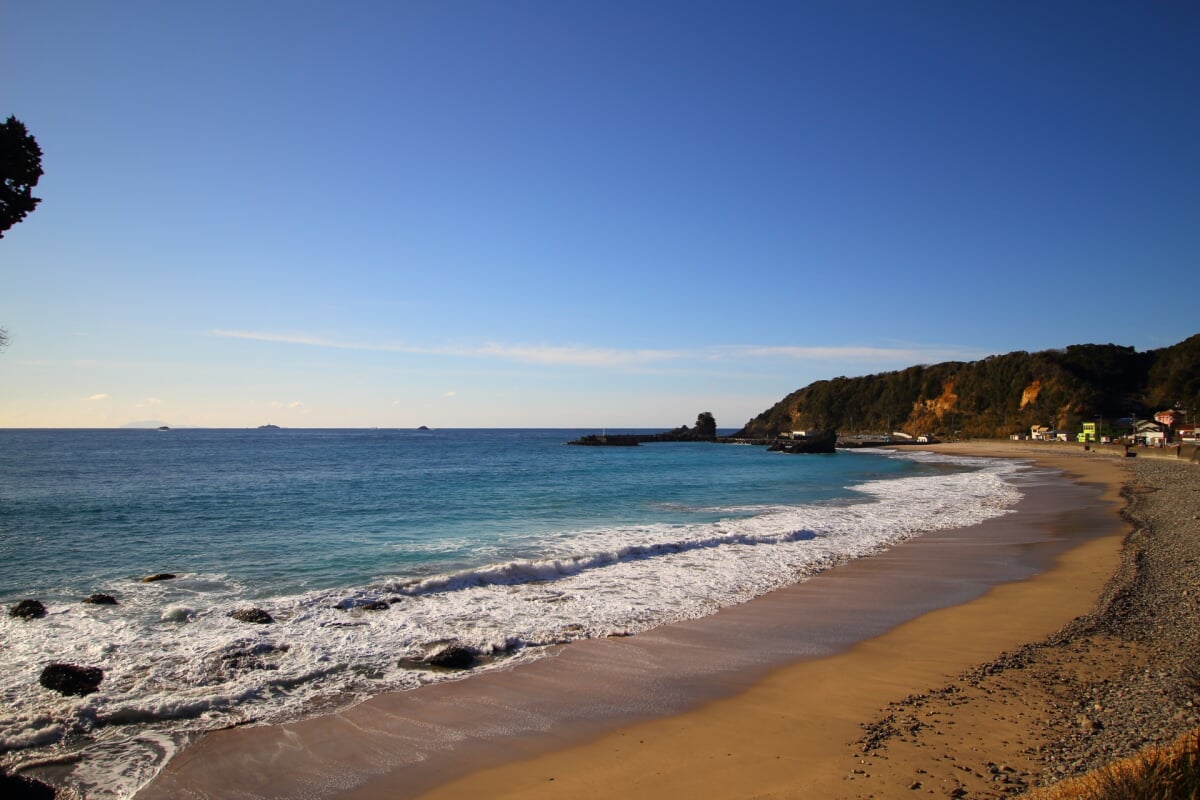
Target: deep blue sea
x=502, y=541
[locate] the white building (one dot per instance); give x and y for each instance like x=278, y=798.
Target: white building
x=1149, y=433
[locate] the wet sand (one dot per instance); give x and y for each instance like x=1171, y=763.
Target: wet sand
x=766, y=699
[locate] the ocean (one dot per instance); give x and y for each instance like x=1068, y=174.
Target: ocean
x=370, y=549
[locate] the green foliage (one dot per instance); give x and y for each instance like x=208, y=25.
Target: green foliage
x=997, y=396
x=20, y=170
x=1174, y=376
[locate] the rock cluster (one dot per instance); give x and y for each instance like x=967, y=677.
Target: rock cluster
x=28, y=609
x=70, y=679
x=447, y=656
x=254, y=615
x=244, y=657
x=456, y=657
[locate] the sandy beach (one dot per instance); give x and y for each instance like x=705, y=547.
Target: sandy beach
x=969, y=683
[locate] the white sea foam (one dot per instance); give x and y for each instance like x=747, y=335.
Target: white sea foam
x=175, y=662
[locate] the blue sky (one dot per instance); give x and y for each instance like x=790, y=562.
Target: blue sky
x=475, y=214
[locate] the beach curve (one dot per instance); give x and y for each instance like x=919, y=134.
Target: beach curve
x=362, y=762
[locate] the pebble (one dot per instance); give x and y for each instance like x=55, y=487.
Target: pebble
x=1143, y=617
x=1144, y=604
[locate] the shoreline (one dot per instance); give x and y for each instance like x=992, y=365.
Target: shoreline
x=1112, y=680
x=828, y=727
x=361, y=752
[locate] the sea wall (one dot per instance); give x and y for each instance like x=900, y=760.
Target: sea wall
x=1186, y=452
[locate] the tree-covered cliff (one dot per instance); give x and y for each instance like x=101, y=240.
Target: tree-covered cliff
x=999, y=395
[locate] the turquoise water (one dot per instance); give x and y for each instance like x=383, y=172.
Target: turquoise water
x=284, y=511
x=370, y=549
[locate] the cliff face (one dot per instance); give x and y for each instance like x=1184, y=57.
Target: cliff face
x=997, y=396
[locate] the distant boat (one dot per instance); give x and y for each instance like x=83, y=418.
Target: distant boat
x=268, y=427
x=163, y=428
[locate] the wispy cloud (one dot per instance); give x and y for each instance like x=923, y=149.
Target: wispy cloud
x=588, y=356
x=576, y=355
x=100, y=396
x=294, y=338
x=907, y=354
x=533, y=354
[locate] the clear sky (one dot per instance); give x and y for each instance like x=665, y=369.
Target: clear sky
x=476, y=214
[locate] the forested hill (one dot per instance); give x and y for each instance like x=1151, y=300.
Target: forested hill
x=999, y=395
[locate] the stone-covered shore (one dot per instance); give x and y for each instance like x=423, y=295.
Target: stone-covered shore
x=1115, y=681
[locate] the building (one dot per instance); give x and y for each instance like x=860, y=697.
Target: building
x=1168, y=417
x=1149, y=433
x=1041, y=433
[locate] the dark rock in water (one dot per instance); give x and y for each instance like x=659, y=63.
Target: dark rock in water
x=255, y=615
x=161, y=576
x=101, y=599
x=363, y=604
x=28, y=609
x=70, y=679
x=454, y=657
x=259, y=657
x=18, y=787
x=444, y=655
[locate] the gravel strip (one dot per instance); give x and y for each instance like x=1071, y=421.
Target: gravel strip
x=1121, y=678
x=1152, y=606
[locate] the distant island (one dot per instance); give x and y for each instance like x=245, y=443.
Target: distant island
x=268, y=427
